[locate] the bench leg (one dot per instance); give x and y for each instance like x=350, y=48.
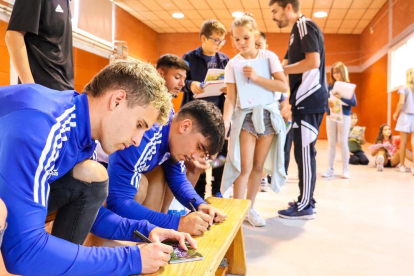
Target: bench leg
x=236, y=255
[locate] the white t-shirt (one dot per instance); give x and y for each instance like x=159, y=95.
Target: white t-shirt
x=408, y=106
x=274, y=65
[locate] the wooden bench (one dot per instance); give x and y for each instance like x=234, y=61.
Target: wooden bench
x=223, y=240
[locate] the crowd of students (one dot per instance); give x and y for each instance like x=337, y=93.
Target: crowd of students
x=53, y=137
x=388, y=150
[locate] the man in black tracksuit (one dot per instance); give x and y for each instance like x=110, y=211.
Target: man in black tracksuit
x=305, y=64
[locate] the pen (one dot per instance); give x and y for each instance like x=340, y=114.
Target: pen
x=248, y=79
x=138, y=235
x=192, y=207
x=201, y=84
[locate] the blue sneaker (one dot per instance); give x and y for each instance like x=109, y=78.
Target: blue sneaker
x=293, y=213
x=218, y=194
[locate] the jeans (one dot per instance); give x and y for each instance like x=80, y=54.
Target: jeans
x=358, y=158
x=77, y=204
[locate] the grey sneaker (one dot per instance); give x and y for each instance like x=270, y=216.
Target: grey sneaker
x=264, y=185
x=328, y=173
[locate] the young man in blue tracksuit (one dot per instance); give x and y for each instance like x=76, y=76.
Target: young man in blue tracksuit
x=206, y=57
x=46, y=136
x=196, y=131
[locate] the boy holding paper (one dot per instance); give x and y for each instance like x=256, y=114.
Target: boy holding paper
x=206, y=57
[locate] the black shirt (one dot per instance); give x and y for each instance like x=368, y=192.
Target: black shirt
x=308, y=91
x=48, y=40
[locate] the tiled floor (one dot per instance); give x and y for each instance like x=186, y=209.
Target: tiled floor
x=364, y=226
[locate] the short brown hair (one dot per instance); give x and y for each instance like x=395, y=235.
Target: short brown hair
x=283, y=3
x=171, y=61
x=140, y=81
x=212, y=25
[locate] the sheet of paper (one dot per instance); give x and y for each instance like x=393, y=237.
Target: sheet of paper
x=345, y=89
x=213, y=83
x=211, y=90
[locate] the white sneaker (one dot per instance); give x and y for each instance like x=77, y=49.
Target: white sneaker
x=254, y=219
x=402, y=169
x=345, y=175
x=380, y=163
x=328, y=173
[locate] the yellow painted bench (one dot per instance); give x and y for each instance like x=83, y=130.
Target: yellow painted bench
x=223, y=240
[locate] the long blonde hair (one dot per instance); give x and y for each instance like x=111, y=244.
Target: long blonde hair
x=339, y=66
x=246, y=20
x=410, y=79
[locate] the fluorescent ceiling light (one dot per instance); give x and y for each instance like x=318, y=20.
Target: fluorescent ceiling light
x=177, y=15
x=320, y=14
x=237, y=14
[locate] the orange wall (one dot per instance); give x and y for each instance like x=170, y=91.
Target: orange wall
x=141, y=39
x=373, y=99
x=86, y=65
x=373, y=42
x=403, y=15
x=4, y=57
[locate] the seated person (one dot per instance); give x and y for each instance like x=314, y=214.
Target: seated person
x=195, y=132
x=386, y=148
x=46, y=139
x=357, y=154
x=3, y=216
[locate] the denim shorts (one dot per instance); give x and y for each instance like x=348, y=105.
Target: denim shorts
x=249, y=127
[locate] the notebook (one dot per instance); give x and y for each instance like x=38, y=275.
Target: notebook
x=251, y=94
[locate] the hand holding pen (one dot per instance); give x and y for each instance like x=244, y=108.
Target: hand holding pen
x=195, y=223
x=157, y=235
x=153, y=255
x=197, y=87
x=249, y=73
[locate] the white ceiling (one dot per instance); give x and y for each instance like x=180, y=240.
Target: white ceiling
x=344, y=16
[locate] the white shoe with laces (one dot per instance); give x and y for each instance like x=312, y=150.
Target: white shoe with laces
x=254, y=219
x=380, y=163
x=402, y=169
